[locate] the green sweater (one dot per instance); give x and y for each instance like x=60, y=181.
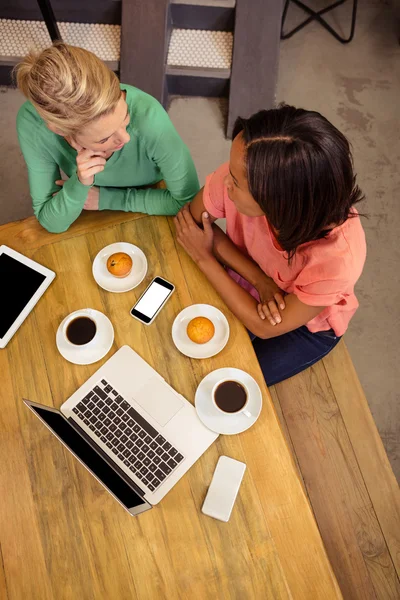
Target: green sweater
x=155, y=152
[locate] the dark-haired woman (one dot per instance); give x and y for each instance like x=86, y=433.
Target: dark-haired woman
x=294, y=246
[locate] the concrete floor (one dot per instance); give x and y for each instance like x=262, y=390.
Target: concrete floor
x=357, y=87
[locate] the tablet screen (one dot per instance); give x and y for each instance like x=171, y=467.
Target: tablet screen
x=19, y=284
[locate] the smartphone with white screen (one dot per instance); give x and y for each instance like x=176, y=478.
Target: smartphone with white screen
x=152, y=300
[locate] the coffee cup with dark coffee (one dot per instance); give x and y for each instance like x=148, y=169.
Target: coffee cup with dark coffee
x=231, y=397
x=80, y=329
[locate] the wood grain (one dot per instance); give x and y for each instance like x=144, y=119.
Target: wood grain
x=271, y=459
x=341, y=503
x=73, y=539
x=323, y=413
x=379, y=478
x=286, y=432
x=19, y=529
x=28, y=234
x=3, y=584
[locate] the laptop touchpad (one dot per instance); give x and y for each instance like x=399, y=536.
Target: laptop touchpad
x=158, y=401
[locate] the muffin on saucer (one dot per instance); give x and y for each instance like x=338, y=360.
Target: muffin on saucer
x=200, y=330
x=119, y=264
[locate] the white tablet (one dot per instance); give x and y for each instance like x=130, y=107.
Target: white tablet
x=23, y=281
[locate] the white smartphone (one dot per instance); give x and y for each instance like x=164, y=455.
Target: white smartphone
x=152, y=300
x=224, y=488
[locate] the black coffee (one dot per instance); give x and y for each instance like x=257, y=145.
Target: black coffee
x=230, y=396
x=81, y=331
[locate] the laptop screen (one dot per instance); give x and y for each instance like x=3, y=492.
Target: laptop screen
x=110, y=478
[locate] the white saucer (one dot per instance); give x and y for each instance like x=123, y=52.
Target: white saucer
x=114, y=284
x=212, y=417
x=94, y=350
x=185, y=344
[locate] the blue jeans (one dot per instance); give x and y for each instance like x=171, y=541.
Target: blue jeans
x=286, y=355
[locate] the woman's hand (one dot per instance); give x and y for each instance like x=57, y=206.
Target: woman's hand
x=92, y=200
x=271, y=300
x=197, y=242
x=88, y=162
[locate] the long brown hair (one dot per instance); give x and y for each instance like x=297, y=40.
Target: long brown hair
x=300, y=172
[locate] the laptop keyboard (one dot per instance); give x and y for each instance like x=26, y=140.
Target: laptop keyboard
x=132, y=440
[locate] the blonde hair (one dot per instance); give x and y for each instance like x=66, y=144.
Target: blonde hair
x=68, y=86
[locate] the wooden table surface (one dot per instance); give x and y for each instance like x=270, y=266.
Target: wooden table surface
x=61, y=534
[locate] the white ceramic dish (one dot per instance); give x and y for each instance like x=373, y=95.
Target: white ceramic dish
x=185, y=344
x=94, y=350
x=114, y=284
x=227, y=424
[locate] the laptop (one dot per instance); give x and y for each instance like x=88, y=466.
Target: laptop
x=130, y=429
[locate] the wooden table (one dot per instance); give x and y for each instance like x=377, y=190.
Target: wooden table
x=62, y=535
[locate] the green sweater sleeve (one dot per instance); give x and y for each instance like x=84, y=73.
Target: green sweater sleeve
x=172, y=157
x=56, y=213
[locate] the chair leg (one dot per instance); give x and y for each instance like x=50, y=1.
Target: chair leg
x=316, y=15
x=50, y=20
x=285, y=9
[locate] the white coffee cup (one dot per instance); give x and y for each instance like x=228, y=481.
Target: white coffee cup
x=242, y=409
x=86, y=313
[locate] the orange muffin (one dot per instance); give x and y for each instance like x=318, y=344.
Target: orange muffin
x=200, y=330
x=119, y=264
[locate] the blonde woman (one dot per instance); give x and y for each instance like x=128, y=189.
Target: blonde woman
x=111, y=140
